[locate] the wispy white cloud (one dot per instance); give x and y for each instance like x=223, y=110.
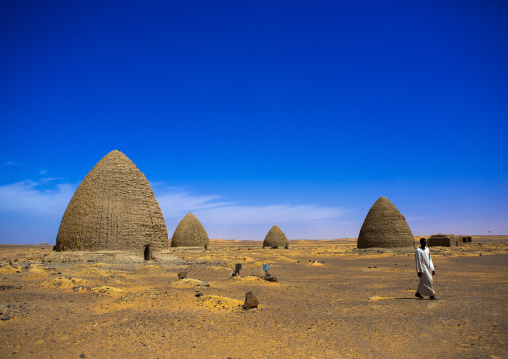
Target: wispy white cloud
x=223, y=219
x=43, y=172
x=177, y=203
x=12, y=163
x=27, y=198
x=29, y=207
x=270, y=214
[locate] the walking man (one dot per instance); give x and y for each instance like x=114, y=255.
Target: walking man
x=425, y=270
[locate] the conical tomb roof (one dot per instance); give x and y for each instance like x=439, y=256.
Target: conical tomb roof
x=114, y=208
x=275, y=237
x=190, y=233
x=385, y=227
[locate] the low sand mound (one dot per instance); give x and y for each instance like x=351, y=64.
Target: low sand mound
x=219, y=268
x=247, y=278
x=92, y=271
x=252, y=279
x=220, y=303
x=375, y=298
x=186, y=283
x=10, y=270
x=151, y=296
x=150, y=270
x=37, y=271
x=107, y=290
x=116, y=279
x=64, y=283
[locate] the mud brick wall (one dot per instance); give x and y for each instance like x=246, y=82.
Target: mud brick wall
x=443, y=240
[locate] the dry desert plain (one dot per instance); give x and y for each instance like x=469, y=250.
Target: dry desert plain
x=331, y=301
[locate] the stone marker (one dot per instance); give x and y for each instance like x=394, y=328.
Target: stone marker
x=114, y=208
x=250, y=301
x=385, y=227
x=238, y=268
x=182, y=275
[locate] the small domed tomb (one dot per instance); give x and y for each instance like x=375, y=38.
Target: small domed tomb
x=190, y=233
x=275, y=238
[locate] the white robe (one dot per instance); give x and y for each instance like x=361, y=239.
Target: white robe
x=424, y=266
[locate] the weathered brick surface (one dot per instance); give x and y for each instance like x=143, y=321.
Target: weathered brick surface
x=385, y=227
x=190, y=233
x=114, y=208
x=275, y=237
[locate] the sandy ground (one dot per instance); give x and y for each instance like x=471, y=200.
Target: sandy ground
x=331, y=301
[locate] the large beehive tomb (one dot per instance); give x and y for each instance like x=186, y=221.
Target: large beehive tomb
x=275, y=238
x=114, y=208
x=190, y=233
x=385, y=227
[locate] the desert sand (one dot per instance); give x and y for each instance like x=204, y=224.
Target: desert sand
x=331, y=301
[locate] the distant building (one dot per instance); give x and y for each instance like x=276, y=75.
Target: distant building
x=465, y=239
x=443, y=240
x=385, y=227
x=114, y=208
x=190, y=233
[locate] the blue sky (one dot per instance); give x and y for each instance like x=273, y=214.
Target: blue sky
x=250, y=114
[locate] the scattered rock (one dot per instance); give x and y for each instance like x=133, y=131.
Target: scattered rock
x=9, y=287
x=107, y=290
x=182, y=275
x=5, y=317
x=271, y=279
x=198, y=295
x=250, y=301
x=220, y=303
x=203, y=284
x=81, y=287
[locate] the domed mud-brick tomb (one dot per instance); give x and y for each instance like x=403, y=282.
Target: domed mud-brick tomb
x=114, y=208
x=275, y=238
x=385, y=227
x=190, y=233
